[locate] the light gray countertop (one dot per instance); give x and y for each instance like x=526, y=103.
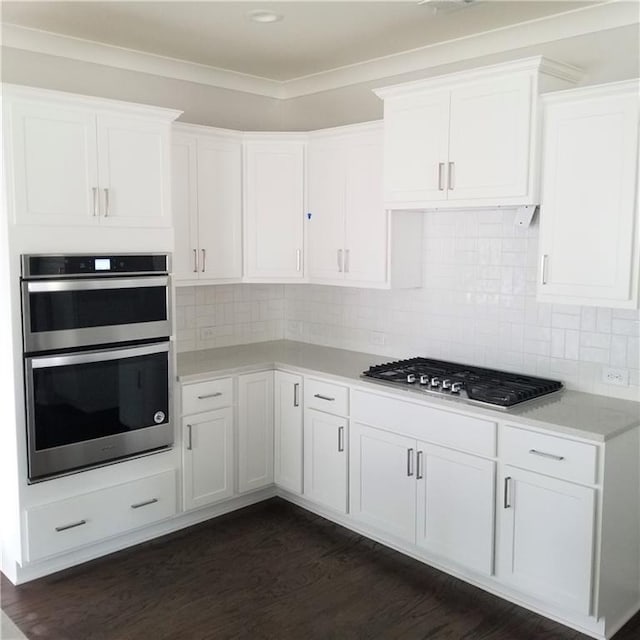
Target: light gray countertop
x=583, y=415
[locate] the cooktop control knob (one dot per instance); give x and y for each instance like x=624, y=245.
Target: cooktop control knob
x=411, y=378
x=424, y=379
x=435, y=382
x=446, y=384
x=456, y=387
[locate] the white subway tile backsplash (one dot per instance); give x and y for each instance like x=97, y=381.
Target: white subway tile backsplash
x=478, y=305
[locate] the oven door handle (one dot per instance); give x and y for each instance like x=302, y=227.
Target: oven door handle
x=102, y=283
x=101, y=355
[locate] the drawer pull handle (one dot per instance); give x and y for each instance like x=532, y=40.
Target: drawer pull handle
x=507, y=499
x=217, y=394
x=144, y=504
x=542, y=454
x=409, y=462
x=319, y=395
x=71, y=526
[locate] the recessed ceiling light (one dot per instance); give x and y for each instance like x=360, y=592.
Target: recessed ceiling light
x=264, y=17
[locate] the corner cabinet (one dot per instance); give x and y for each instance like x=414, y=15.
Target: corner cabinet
x=274, y=207
x=466, y=139
x=79, y=161
x=352, y=239
x=589, y=235
x=207, y=204
x=288, y=431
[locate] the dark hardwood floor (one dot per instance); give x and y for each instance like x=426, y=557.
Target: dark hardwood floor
x=271, y=571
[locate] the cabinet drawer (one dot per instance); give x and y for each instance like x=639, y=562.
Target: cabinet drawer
x=206, y=396
x=326, y=396
x=550, y=455
x=446, y=428
x=91, y=517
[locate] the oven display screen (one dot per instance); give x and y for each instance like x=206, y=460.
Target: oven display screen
x=102, y=264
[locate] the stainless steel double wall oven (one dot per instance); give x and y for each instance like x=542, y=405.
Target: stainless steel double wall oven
x=97, y=359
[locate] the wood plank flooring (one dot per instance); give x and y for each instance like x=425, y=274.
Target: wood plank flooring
x=271, y=571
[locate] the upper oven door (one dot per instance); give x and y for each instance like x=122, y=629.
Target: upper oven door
x=61, y=314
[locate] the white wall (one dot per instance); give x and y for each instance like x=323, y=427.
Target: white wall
x=202, y=104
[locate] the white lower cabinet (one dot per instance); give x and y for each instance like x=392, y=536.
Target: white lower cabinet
x=92, y=517
x=547, y=538
x=255, y=430
x=325, y=459
x=439, y=499
x=288, y=431
x=207, y=458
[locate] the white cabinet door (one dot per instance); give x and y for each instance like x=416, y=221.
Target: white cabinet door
x=455, y=509
x=219, y=208
x=489, y=140
x=184, y=197
x=288, y=431
x=547, y=538
x=327, y=208
x=53, y=163
x=589, y=198
x=207, y=458
x=255, y=430
x=366, y=233
x=274, y=210
x=133, y=164
x=416, y=138
x=325, y=459
x=382, y=482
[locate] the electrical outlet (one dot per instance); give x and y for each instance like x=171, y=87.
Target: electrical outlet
x=207, y=333
x=615, y=376
x=377, y=337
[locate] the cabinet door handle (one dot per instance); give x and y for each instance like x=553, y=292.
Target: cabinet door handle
x=340, y=439
x=318, y=395
x=543, y=454
x=507, y=498
x=95, y=200
x=440, y=176
x=543, y=268
x=217, y=394
x=296, y=394
x=204, y=259
x=71, y=526
x=346, y=260
x=451, y=175
x=106, y=202
x=340, y=260
x=195, y=261
x=419, y=465
x=409, y=462
x=189, y=438
x=298, y=259
x=144, y=504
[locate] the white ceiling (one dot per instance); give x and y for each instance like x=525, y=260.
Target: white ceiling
x=313, y=37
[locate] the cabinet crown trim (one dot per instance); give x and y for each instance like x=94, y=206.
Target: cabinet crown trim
x=13, y=92
x=593, y=91
x=530, y=65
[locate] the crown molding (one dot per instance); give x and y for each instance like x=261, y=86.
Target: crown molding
x=17, y=37
x=577, y=22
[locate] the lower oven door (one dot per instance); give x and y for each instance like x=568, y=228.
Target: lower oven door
x=90, y=408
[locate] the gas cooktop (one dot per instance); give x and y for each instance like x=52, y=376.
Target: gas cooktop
x=475, y=385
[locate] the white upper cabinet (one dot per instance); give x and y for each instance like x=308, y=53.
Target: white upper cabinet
x=274, y=207
x=349, y=232
x=73, y=160
x=466, y=139
x=588, y=215
x=207, y=204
